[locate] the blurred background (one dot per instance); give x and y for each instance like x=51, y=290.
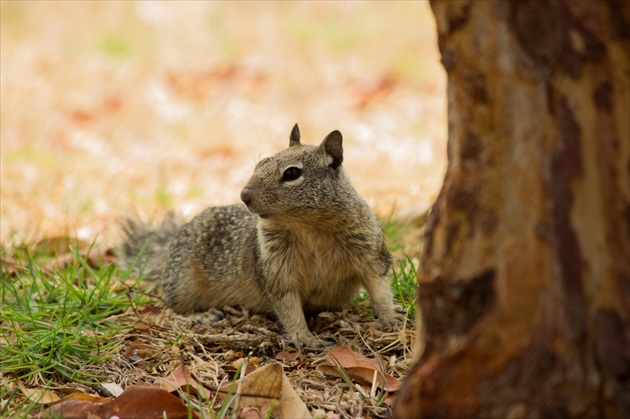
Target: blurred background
x=111, y=109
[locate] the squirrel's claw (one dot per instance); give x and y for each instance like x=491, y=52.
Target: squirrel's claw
x=310, y=341
x=394, y=316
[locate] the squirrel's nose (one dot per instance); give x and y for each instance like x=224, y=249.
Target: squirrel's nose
x=246, y=196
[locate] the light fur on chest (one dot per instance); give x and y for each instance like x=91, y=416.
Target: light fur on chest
x=316, y=265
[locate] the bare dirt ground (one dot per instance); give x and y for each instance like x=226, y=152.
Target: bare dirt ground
x=111, y=109
x=117, y=108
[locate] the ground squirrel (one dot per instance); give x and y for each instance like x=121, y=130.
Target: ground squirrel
x=304, y=241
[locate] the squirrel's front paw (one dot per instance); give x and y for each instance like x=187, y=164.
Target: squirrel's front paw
x=394, y=315
x=308, y=340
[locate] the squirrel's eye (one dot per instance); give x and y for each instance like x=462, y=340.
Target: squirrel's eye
x=291, y=173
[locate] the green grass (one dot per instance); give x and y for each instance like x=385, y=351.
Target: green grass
x=405, y=285
x=404, y=280
x=55, y=323
x=405, y=275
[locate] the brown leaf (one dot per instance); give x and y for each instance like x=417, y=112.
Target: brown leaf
x=236, y=365
x=68, y=390
x=113, y=388
x=12, y=266
x=359, y=368
x=389, y=400
x=139, y=401
x=38, y=395
x=83, y=396
x=287, y=356
x=181, y=378
x=268, y=383
x=329, y=370
x=139, y=350
x=250, y=413
x=348, y=359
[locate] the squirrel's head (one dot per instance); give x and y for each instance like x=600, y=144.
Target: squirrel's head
x=299, y=181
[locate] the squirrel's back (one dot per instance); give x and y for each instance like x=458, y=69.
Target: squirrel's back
x=209, y=262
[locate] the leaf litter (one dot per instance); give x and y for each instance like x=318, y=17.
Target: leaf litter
x=165, y=353
x=358, y=367
x=137, y=401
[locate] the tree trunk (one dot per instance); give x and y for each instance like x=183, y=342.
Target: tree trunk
x=525, y=279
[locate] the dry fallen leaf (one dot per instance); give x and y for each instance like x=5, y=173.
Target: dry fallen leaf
x=38, y=395
x=348, y=359
x=68, y=390
x=250, y=413
x=181, y=378
x=359, y=368
x=139, y=350
x=83, y=396
x=238, y=365
x=389, y=400
x=138, y=401
x=11, y=266
x=270, y=383
x=287, y=356
x=113, y=388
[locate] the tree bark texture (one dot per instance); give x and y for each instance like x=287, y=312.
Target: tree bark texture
x=525, y=279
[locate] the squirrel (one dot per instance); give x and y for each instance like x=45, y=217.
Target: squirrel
x=304, y=242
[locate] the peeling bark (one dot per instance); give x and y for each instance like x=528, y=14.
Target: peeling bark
x=525, y=280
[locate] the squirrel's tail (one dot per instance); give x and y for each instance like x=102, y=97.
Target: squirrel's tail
x=145, y=246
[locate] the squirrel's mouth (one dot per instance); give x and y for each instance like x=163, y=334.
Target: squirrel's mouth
x=260, y=214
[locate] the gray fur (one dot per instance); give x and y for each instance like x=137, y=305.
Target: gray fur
x=305, y=245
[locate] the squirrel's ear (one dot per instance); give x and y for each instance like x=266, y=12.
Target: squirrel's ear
x=294, y=138
x=333, y=148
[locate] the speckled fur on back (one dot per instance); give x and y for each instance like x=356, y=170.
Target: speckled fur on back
x=304, y=241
